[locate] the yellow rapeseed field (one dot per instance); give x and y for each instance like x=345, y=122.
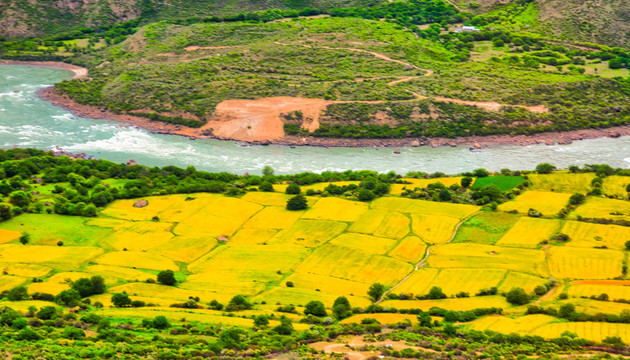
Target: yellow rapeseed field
x=332, y=208
x=47, y=287
x=596, y=207
x=252, y=236
x=410, y=249
x=301, y=297
x=368, y=243
x=459, y=304
x=562, y=182
x=25, y=270
x=59, y=257
x=185, y=249
x=8, y=236
x=547, y=203
x=596, y=331
x=381, y=318
x=311, y=233
x=614, y=289
x=468, y=255
x=578, y=263
x=327, y=284
x=523, y=325
x=411, y=206
x=137, y=259
x=382, y=223
x=616, y=185
x=119, y=272
x=517, y=279
x=591, y=235
x=419, y=282
x=471, y=281
x=354, y=264
x=8, y=282
x=397, y=189
x=271, y=199
x=434, y=229
x=273, y=217
x=529, y=232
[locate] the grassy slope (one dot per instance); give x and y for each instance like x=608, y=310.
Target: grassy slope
x=39, y=17
x=314, y=58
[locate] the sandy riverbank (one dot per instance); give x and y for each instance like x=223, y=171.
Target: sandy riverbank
x=474, y=142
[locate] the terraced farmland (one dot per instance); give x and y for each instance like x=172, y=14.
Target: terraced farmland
x=220, y=246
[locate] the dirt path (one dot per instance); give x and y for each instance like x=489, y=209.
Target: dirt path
x=349, y=350
x=555, y=291
x=424, y=259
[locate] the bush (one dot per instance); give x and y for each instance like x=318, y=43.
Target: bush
x=167, y=277
x=376, y=290
x=238, y=302
x=293, y=189
x=297, y=202
x=366, y=195
x=545, y=168
x=577, y=199
x=266, y=186
x=315, y=308
x=436, y=293
x=121, y=300
x=161, y=322
x=517, y=296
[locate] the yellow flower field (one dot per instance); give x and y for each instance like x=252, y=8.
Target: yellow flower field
x=562, y=182
x=529, y=232
x=434, y=229
x=547, y=203
x=410, y=249
x=382, y=223
x=576, y=263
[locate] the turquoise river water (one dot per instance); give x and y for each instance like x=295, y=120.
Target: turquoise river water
x=27, y=121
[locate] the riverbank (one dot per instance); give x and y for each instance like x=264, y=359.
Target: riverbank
x=79, y=72
x=156, y=127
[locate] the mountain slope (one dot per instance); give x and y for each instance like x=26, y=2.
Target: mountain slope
x=41, y=17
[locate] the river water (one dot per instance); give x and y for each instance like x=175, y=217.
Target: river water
x=27, y=121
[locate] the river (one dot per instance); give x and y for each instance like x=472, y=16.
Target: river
x=27, y=121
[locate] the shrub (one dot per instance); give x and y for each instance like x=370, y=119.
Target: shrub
x=293, y=189
x=315, y=308
x=161, y=322
x=545, y=168
x=517, y=296
x=167, y=277
x=376, y=290
x=121, y=300
x=297, y=202
x=238, y=302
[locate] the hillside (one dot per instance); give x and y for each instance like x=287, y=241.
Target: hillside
x=528, y=255
x=605, y=22
x=44, y=17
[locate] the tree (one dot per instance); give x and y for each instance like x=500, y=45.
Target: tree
x=315, y=308
x=436, y=293
x=20, y=198
x=293, y=189
x=540, y=290
x=121, y=300
x=481, y=173
x=25, y=238
x=376, y=290
x=545, y=168
x=341, y=308
x=167, y=277
x=466, y=181
x=285, y=327
x=268, y=171
x=161, y=322
x=445, y=195
x=5, y=212
x=47, y=312
x=261, y=321
x=366, y=195
x=297, y=202
x=17, y=293
x=577, y=199
x=238, y=302
x=627, y=245
x=84, y=286
x=266, y=186
x=566, y=311
x=517, y=296
x=98, y=285
x=68, y=297
x=72, y=333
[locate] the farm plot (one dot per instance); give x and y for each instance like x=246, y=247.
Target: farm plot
x=410, y=206
x=25, y=270
x=454, y=281
x=382, y=223
x=251, y=236
x=370, y=244
x=301, y=297
x=119, y=272
x=228, y=282
x=466, y=255
x=327, y=284
x=323, y=185
x=251, y=262
x=354, y=264
x=48, y=229
x=504, y=183
x=8, y=236
x=410, y=249
x=596, y=207
x=175, y=316
x=381, y=318
x=598, y=307
x=523, y=325
x=137, y=259
x=273, y=217
x=58, y=257
x=418, y=283
x=615, y=290
x=616, y=185
x=336, y=209
x=185, y=249
x=458, y=304
x=310, y=233
x=68, y=277
x=47, y=287
x=165, y=293
x=221, y=216
x=591, y=235
x=576, y=263
x=434, y=229
x=141, y=235
x=596, y=331
x=547, y=203
x=124, y=209
x=529, y=232
x=517, y=279
x=8, y=282
x=487, y=227
x=562, y=182
x=397, y=189
x=271, y=199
